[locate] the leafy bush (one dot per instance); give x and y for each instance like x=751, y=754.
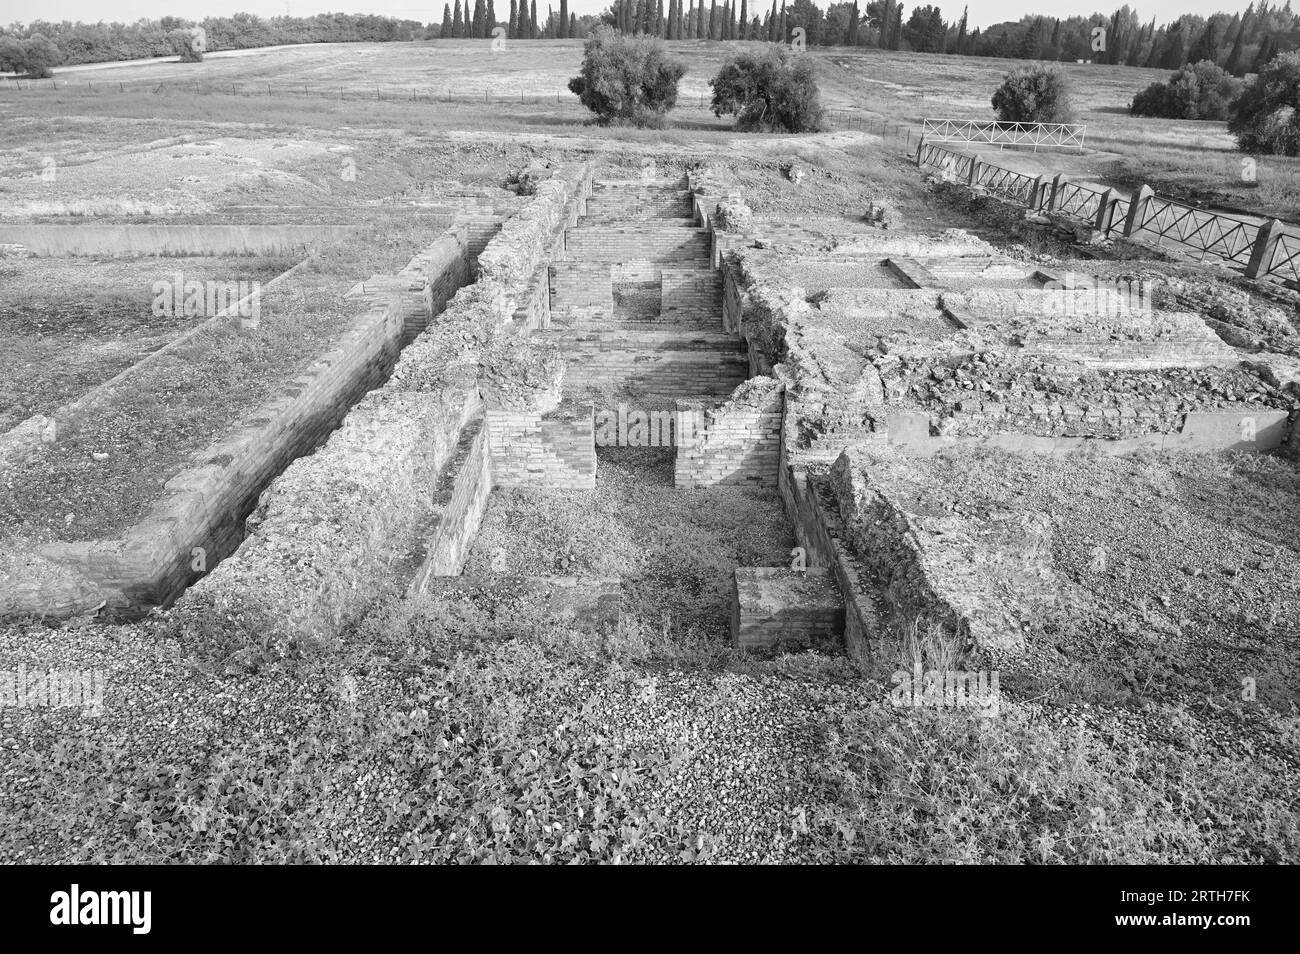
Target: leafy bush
x=773, y=91
x=36, y=56
x=627, y=79
x=188, y=44
x=1201, y=90
x=1034, y=94
x=1265, y=117
x=13, y=58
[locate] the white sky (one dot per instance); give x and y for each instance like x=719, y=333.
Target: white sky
x=982, y=12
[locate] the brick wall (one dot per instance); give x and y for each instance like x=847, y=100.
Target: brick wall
x=691, y=293
x=581, y=285
x=1245, y=429
x=555, y=450
x=652, y=363
x=739, y=442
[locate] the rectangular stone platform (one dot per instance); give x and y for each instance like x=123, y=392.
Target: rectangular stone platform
x=781, y=608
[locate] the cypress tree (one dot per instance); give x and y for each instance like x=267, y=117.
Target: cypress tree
x=700, y=33
x=563, y=32
x=744, y=19
x=445, y=32
x=476, y=24
x=491, y=21
x=1206, y=46
x=573, y=25
x=512, y=28
x=659, y=19
x=771, y=24
x=1267, y=50
x=1235, y=64
x=961, y=31
x=532, y=19
x=851, y=36
x=457, y=24
x=783, y=33
x=713, y=20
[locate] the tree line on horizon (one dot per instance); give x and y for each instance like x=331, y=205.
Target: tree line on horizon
x=1240, y=43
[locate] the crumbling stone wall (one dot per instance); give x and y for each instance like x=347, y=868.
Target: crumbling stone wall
x=975, y=580
x=329, y=532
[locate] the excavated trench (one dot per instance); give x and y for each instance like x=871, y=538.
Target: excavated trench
x=636, y=312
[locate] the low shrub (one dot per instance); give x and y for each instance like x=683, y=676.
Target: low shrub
x=1034, y=94
x=627, y=79
x=1198, y=91
x=772, y=91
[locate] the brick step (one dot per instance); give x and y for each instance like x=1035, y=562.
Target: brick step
x=638, y=244
x=651, y=186
x=628, y=218
x=624, y=198
x=674, y=325
x=650, y=340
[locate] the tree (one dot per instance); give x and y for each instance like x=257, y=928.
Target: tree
x=1198, y=91
x=771, y=91
x=772, y=25
x=1174, y=53
x=13, y=55
x=961, y=30
x=40, y=56
x=744, y=21
x=1267, y=51
x=1265, y=118
x=1236, y=64
x=187, y=43
x=563, y=32
x=627, y=79
x=1034, y=94
x=457, y=23
x=925, y=30
x=445, y=31
x=1206, y=46
x=533, y=32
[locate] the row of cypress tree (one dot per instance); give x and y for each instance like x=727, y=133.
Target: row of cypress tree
x=522, y=25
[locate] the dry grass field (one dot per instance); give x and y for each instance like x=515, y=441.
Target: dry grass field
x=449, y=84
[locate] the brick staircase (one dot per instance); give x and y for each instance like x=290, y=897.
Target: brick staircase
x=637, y=306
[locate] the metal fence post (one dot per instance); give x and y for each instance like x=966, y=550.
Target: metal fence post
x=1137, y=210
x=1261, y=254
x=1056, y=191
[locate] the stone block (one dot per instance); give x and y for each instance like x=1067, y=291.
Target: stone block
x=782, y=608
